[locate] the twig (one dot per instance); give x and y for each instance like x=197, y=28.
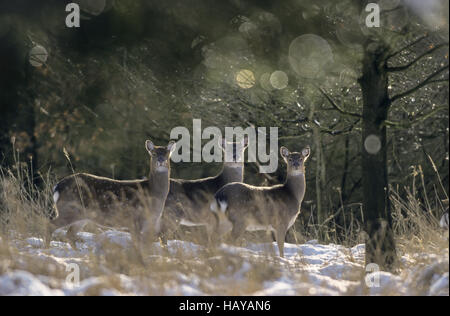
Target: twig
x=428, y=80
x=418, y=58
x=337, y=107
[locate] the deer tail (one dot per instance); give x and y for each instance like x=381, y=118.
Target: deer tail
x=220, y=203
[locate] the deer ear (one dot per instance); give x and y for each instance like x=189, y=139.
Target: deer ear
x=284, y=152
x=306, y=152
x=149, y=146
x=172, y=146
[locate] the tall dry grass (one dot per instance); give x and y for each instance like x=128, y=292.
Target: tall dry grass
x=24, y=211
x=25, y=207
x=416, y=215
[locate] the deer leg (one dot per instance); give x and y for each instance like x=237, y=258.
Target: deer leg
x=237, y=231
x=136, y=238
x=163, y=238
x=212, y=229
x=72, y=232
x=48, y=234
x=168, y=226
x=272, y=234
x=68, y=216
x=281, y=236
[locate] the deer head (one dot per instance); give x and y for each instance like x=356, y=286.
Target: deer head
x=296, y=160
x=160, y=156
x=234, y=152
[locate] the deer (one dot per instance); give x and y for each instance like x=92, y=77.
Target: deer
x=274, y=208
x=188, y=200
x=83, y=199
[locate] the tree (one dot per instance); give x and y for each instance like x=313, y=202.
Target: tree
x=17, y=119
x=370, y=53
x=374, y=82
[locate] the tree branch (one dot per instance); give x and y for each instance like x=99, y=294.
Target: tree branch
x=322, y=129
x=417, y=120
x=407, y=47
x=337, y=107
x=428, y=80
x=418, y=58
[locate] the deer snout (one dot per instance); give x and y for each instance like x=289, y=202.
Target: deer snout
x=162, y=163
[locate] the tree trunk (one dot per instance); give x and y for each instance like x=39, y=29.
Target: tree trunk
x=345, y=169
x=321, y=216
x=17, y=101
x=320, y=165
x=11, y=77
x=380, y=245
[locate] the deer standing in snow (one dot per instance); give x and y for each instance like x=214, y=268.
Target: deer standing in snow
x=81, y=199
x=188, y=200
x=251, y=208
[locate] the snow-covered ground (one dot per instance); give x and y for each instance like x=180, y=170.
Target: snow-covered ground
x=27, y=268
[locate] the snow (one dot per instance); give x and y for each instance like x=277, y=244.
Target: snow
x=440, y=287
x=21, y=283
x=188, y=269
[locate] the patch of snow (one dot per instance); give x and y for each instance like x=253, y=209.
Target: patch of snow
x=307, y=269
x=116, y=237
x=440, y=287
x=388, y=284
x=22, y=283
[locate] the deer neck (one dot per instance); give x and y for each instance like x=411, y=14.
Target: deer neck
x=159, y=182
x=232, y=173
x=295, y=184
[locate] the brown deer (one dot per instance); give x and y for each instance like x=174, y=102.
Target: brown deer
x=251, y=208
x=188, y=200
x=81, y=199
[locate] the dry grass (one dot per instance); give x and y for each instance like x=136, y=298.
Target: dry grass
x=24, y=209
x=416, y=222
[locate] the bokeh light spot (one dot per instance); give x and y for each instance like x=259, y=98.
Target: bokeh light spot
x=309, y=54
x=245, y=79
x=279, y=80
x=264, y=81
x=248, y=28
x=372, y=144
x=38, y=56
